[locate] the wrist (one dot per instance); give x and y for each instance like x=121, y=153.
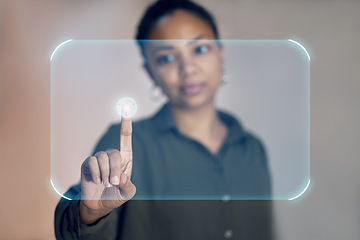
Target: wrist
x=90, y=216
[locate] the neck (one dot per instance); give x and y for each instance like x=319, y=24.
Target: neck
x=199, y=123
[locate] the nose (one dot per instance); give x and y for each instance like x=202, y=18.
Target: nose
x=187, y=66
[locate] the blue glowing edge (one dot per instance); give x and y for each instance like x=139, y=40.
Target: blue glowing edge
x=302, y=47
x=293, y=198
x=57, y=48
x=303, y=191
x=135, y=108
x=53, y=186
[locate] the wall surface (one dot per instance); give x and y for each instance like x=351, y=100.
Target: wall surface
x=30, y=30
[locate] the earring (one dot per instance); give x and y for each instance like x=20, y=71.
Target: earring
x=224, y=77
x=156, y=93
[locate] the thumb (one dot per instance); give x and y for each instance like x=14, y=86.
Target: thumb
x=127, y=188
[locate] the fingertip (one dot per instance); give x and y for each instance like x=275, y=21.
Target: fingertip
x=97, y=180
x=126, y=108
x=107, y=183
x=115, y=180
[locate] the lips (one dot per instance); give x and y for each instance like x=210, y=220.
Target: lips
x=192, y=89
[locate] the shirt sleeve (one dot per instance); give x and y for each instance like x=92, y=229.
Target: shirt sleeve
x=67, y=215
x=68, y=225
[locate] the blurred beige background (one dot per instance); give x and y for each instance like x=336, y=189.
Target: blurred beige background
x=30, y=30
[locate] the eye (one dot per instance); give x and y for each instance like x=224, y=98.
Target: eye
x=163, y=59
x=202, y=49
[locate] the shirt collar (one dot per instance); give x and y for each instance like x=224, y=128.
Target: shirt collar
x=235, y=130
x=164, y=121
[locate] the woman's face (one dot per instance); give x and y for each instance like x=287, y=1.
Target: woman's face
x=189, y=68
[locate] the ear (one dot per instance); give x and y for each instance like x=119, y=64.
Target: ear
x=149, y=71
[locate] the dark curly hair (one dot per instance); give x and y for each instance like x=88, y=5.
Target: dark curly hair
x=163, y=8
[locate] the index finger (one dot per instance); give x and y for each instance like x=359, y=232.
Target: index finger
x=125, y=134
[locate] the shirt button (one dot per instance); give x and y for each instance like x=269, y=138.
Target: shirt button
x=218, y=167
x=228, y=234
x=226, y=198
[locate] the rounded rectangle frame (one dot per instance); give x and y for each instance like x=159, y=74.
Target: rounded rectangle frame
x=267, y=89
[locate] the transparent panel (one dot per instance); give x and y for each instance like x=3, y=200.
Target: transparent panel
x=260, y=148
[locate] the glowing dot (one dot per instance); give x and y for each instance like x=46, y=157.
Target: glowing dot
x=126, y=107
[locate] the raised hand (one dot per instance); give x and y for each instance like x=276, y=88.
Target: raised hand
x=106, y=178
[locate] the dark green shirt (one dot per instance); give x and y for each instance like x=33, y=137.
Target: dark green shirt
x=169, y=165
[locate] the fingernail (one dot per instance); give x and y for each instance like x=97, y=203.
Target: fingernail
x=98, y=181
x=106, y=183
x=115, y=180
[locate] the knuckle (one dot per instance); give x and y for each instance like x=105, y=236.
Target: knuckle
x=111, y=150
x=92, y=160
x=100, y=154
x=103, y=160
x=114, y=155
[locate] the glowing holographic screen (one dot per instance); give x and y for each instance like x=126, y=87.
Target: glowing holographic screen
x=268, y=91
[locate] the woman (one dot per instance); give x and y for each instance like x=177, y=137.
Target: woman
x=188, y=137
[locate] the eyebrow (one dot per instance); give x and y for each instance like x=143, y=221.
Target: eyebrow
x=200, y=37
x=160, y=48
x=169, y=47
